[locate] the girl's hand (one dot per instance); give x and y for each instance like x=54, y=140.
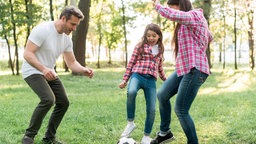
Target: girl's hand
x=122, y=84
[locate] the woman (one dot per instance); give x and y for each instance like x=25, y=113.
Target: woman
x=191, y=39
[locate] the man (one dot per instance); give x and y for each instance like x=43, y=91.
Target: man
x=46, y=43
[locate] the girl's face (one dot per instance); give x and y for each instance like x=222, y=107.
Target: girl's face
x=152, y=37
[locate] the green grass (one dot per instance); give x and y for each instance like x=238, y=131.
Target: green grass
x=224, y=110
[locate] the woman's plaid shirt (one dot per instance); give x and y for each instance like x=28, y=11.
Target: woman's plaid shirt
x=145, y=63
x=193, y=39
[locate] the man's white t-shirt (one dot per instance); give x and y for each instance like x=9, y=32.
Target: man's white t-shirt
x=51, y=45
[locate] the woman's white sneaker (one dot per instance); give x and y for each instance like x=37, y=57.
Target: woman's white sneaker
x=146, y=140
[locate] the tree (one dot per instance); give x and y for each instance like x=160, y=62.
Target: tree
x=206, y=5
x=224, y=40
x=250, y=14
x=223, y=47
x=28, y=16
x=15, y=38
x=235, y=33
x=64, y=63
x=99, y=24
x=6, y=30
x=124, y=32
x=17, y=18
x=79, y=36
x=113, y=32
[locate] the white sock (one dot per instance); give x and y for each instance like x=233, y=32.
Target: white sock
x=130, y=122
x=162, y=134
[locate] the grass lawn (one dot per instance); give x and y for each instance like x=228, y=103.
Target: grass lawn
x=224, y=110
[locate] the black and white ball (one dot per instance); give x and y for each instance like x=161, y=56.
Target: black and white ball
x=125, y=140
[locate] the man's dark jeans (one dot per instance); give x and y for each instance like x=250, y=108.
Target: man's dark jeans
x=49, y=93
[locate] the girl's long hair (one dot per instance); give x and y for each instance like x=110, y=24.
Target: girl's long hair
x=155, y=28
x=184, y=5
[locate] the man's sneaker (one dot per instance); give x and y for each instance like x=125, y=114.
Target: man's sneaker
x=27, y=140
x=146, y=140
x=50, y=141
x=163, y=139
x=128, y=129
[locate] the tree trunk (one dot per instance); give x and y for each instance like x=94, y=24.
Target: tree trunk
x=79, y=36
x=220, y=53
x=52, y=18
x=250, y=16
x=235, y=34
x=206, y=5
x=224, y=41
x=9, y=53
x=207, y=10
x=109, y=55
x=51, y=10
x=125, y=38
x=28, y=16
x=100, y=39
x=64, y=63
x=16, y=59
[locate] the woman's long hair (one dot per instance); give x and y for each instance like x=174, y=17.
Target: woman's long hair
x=184, y=5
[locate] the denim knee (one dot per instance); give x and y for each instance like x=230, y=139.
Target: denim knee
x=132, y=92
x=179, y=112
x=160, y=97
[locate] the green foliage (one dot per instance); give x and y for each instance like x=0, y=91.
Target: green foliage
x=224, y=110
x=21, y=18
x=107, y=17
x=113, y=32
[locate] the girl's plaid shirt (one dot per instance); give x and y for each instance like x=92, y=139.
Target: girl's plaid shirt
x=193, y=39
x=145, y=64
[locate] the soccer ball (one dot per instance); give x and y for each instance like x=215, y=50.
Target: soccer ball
x=125, y=140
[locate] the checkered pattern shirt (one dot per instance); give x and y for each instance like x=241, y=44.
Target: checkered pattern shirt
x=145, y=64
x=193, y=39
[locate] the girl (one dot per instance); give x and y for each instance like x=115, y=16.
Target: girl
x=191, y=39
x=142, y=70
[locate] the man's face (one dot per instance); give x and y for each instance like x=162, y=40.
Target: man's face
x=70, y=25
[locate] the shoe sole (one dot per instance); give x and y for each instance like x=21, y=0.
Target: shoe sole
x=168, y=140
x=128, y=135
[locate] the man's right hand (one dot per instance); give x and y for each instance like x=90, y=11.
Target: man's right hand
x=49, y=74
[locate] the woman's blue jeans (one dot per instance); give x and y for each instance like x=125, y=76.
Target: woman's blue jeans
x=148, y=84
x=186, y=88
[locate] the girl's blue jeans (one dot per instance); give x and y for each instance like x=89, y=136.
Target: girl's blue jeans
x=148, y=84
x=186, y=88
